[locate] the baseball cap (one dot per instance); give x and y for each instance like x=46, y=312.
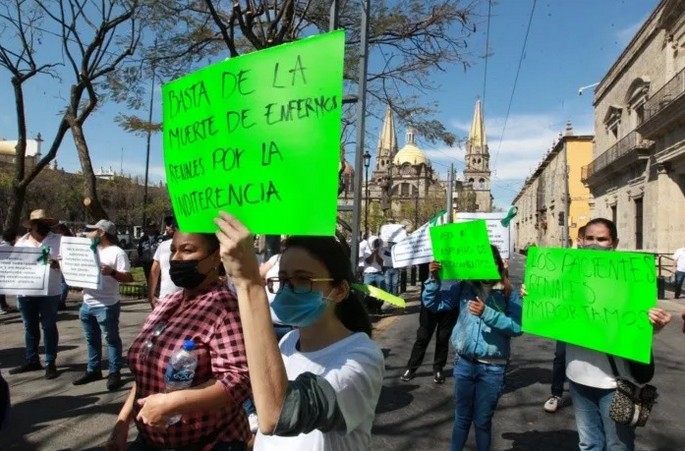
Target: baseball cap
x=106, y=226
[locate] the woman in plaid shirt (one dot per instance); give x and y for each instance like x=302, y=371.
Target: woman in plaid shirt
x=206, y=312
x=318, y=388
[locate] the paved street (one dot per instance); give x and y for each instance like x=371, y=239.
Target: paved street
x=54, y=415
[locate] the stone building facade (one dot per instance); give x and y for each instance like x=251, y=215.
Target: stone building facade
x=637, y=176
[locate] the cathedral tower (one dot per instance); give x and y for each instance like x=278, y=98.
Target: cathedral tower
x=477, y=160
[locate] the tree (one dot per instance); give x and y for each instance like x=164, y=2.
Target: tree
x=92, y=47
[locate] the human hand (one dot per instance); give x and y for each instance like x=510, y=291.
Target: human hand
x=434, y=267
x=107, y=270
x=237, y=250
x=54, y=264
x=522, y=290
x=155, y=410
x=118, y=439
x=476, y=306
x=659, y=318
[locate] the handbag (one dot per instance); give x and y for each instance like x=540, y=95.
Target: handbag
x=632, y=404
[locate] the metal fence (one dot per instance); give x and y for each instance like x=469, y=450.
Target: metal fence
x=623, y=147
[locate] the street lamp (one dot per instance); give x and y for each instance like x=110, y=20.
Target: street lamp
x=367, y=162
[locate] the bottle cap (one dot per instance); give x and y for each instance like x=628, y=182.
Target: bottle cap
x=188, y=345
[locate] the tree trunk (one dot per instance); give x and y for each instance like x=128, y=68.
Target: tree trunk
x=16, y=205
x=90, y=194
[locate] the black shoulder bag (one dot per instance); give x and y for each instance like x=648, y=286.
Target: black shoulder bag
x=632, y=404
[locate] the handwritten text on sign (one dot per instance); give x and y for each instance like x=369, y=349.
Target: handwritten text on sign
x=258, y=136
x=463, y=249
x=21, y=273
x=595, y=299
x=80, y=265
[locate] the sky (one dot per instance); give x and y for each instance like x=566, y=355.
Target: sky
x=571, y=44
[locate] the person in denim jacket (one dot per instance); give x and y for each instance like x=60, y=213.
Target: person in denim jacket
x=489, y=315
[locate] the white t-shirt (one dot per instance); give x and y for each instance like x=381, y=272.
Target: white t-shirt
x=370, y=268
x=114, y=257
x=592, y=368
x=362, y=250
x=679, y=258
x=275, y=262
x=162, y=256
x=52, y=240
x=355, y=367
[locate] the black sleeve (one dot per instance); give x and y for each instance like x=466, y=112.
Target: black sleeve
x=310, y=403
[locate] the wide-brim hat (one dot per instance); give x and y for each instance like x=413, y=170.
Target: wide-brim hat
x=39, y=215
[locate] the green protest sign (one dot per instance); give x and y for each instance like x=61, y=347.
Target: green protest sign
x=595, y=299
x=258, y=136
x=464, y=251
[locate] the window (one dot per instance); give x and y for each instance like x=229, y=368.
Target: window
x=612, y=120
x=404, y=190
x=638, y=223
x=613, y=215
x=637, y=95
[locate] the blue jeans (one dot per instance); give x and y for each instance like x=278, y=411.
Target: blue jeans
x=392, y=281
x=679, y=279
x=377, y=280
x=98, y=321
x=596, y=429
x=39, y=311
x=65, y=291
x=477, y=388
x=559, y=369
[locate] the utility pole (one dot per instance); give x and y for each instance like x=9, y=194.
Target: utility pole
x=450, y=194
x=149, y=136
x=565, y=199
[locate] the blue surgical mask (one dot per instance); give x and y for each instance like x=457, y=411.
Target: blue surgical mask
x=298, y=309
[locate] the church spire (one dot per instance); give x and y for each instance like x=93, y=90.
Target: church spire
x=387, y=142
x=477, y=136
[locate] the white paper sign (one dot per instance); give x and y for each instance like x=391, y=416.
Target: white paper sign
x=499, y=235
x=21, y=273
x=416, y=248
x=393, y=233
x=80, y=265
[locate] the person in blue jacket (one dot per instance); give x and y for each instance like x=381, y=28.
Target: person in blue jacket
x=489, y=315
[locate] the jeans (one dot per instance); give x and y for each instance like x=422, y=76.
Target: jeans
x=679, y=279
x=477, y=389
x=39, y=311
x=596, y=429
x=65, y=292
x=428, y=322
x=97, y=321
x=559, y=369
x=377, y=280
x=392, y=280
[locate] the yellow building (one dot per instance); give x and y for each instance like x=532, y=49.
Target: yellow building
x=542, y=214
x=8, y=151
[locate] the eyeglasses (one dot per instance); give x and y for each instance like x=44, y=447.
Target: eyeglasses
x=150, y=342
x=298, y=284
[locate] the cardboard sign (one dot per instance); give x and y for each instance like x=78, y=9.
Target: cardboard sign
x=594, y=299
x=80, y=264
x=499, y=234
x=21, y=273
x=393, y=233
x=416, y=248
x=463, y=250
x=258, y=136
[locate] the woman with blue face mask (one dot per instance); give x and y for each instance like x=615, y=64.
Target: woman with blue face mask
x=318, y=388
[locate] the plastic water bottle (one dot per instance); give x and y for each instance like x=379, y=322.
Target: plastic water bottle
x=180, y=372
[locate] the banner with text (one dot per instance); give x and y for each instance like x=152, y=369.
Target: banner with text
x=500, y=235
x=80, y=264
x=21, y=273
x=463, y=250
x=259, y=137
x=595, y=299
x=415, y=248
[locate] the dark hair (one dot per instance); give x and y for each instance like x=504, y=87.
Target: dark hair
x=212, y=246
x=10, y=236
x=351, y=311
x=502, y=270
x=581, y=231
x=606, y=223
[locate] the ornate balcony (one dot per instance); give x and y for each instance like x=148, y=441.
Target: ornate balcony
x=665, y=109
x=627, y=150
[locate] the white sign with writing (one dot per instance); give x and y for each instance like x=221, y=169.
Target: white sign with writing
x=22, y=273
x=393, y=233
x=416, y=248
x=80, y=264
x=499, y=235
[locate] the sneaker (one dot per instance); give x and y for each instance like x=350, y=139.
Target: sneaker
x=552, y=404
x=408, y=375
x=88, y=377
x=26, y=367
x=4, y=311
x=51, y=371
x=254, y=423
x=114, y=381
x=439, y=377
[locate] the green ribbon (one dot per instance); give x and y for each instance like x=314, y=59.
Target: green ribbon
x=434, y=220
x=44, y=255
x=513, y=211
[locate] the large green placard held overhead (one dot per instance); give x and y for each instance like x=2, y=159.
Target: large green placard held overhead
x=594, y=299
x=463, y=249
x=258, y=136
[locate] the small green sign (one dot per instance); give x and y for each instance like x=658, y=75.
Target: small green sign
x=463, y=249
x=594, y=299
x=258, y=136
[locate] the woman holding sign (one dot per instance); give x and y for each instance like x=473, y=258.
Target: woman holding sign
x=317, y=389
x=489, y=315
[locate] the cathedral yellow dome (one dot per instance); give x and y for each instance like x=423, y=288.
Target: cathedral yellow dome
x=412, y=155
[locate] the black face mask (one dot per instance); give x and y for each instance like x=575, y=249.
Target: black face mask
x=184, y=273
x=42, y=229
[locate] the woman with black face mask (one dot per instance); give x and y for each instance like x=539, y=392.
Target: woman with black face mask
x=206, y=312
